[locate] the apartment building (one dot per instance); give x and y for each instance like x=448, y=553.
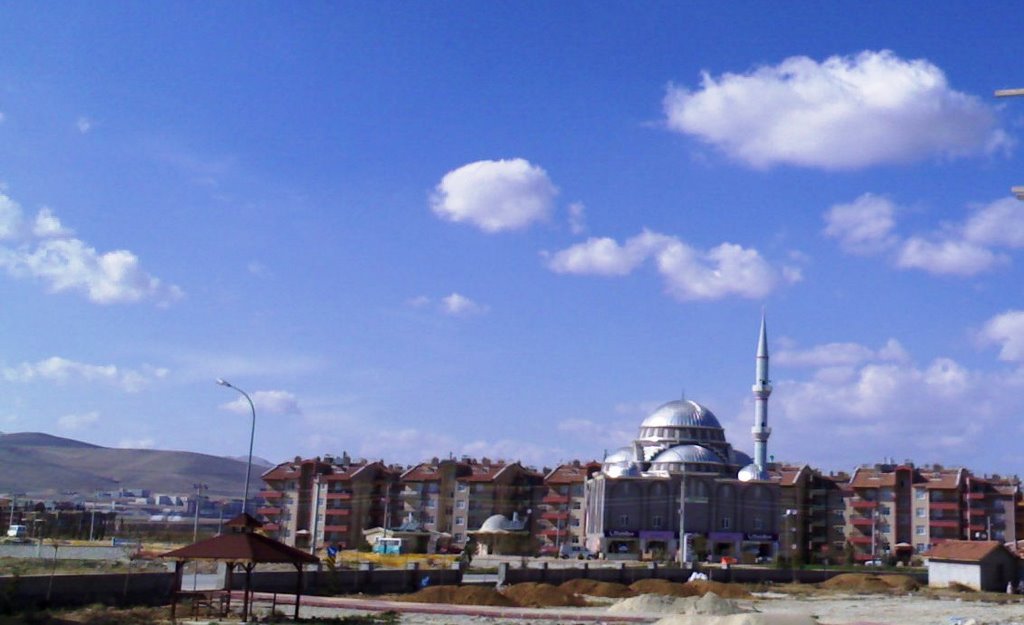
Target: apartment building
x=562, y=507
x=814, y=513
x=878, y=517
x=316, y=501
x=494, y=487
x=428, y=495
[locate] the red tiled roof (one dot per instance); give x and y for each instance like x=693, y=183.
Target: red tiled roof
x=570, y=473
x=241, y=547
x=870, y=478
x=423, y=472
x=964, y=550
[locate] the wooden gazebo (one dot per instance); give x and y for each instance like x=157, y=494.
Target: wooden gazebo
x=241, y=546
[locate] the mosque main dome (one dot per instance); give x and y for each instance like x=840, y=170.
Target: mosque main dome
x=679, y=436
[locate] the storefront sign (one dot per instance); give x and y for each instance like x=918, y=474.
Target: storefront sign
x=620, y=533
x=762, y=537
x=658, y=535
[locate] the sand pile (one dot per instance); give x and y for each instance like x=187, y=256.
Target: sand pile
x=459, y=595
x=710, y=605
x=739, y=619
x=535, y=595
x=663, y=587
x=730, y=591
x=866, y=582
x=696, y=588
x=595, y=588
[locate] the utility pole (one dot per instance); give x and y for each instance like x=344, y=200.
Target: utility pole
x=195, y=526
x=683, y=555
x=1018, y=191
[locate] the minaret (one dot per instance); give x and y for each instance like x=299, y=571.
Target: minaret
x=762, y=389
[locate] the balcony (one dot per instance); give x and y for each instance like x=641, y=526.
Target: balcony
x=944, y=523
x=944, y=505
x=555, y=516
x=269, y=511
x=859, y=540
x=337, y=512
x=555, y=498
x=271, y=494
x=343, y=495
x=863, y=504
x=975, y=496
x=271, y=527
x=335, y=528
x=861, y=521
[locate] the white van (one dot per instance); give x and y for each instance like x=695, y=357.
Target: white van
x=575, y=552
x=17, y=532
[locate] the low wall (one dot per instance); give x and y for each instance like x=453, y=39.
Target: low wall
x=366, y=579
x=65, y=552
x=623, y=574
x=27, y=591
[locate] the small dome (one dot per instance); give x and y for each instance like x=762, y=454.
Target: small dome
x=751, y=472
x=621, y=463
x=681, y=413
x=495, y=523
x=687, y=454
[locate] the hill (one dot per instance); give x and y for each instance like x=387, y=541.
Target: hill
x=42, y=464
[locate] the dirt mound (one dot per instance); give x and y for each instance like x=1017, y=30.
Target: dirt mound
x=866, y=582
x=739, y=619
x=728, y=591
x=708, y=605
x=535, y=595
x=664, y=587
x=595, y=588
x=459, y=595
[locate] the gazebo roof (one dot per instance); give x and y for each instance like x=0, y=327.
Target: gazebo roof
x=242, y=546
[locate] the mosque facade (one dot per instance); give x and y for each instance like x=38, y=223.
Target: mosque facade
x=680, y=476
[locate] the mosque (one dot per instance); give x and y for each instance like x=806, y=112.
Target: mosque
x=681, y=472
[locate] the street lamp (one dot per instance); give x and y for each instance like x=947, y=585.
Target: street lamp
x=252, y=436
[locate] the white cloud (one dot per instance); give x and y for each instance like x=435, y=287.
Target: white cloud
x=867, y=226
x=577, y=218
x=1000, y=223
x=266, y=402
x=947, y=256
x=45, y=251
x=47, y=226
x=875, y=408
x=258, y=269
x=71, y=422
x=136, y=443
x=842, y=113
x=689, y=274
x=453, y=305
x=62, y=370
x=84, y=124
x=459, y=305
x=864, y=226
x=1007, y=331
x=495, y=195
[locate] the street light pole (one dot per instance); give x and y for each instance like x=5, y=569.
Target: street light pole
x=252, y=436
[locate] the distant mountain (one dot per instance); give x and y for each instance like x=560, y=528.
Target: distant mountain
x=43, y=464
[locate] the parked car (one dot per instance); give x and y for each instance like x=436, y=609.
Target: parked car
x=575, y=552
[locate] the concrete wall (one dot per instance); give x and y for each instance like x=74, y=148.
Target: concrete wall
x=365, y=580
x=37, y=550
x=942, y=574
x=73, y=590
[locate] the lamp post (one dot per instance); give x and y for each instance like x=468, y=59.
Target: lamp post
x=252, y=436
x=199, y=488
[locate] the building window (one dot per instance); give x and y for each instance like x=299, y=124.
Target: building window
x=656, y=522
x=461, y=487
x=920, y=547
x=623, y=519
x=920, y=493
x=921, y=513
x=460, y=520
x=758, y=523
x=726, y=523
x=457, y=538
x=576, y=505
x=460, y=504
x=920, y=530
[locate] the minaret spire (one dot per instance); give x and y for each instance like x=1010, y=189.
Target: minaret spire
x=762, y=389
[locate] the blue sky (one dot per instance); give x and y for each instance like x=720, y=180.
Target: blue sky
x=512, y=229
